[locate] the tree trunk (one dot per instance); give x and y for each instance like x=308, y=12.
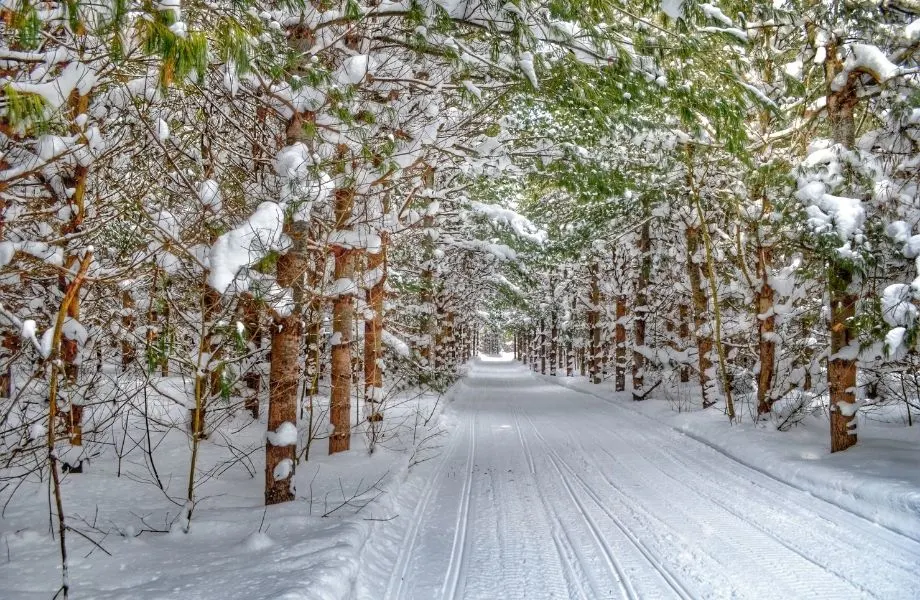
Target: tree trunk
x=426, y=334
x=841, y=372
x=373, y=334
x=766, y=327
x=342, y=324
x=284, y=374
x=620, y=339
x=9, y=347
x=683, y=332
x=594, y=329
x=640, y=310
x=542, y=346
x=252, y=323
x=701, y=334
x=553, y=345
x=208, y=377
x=128, y=321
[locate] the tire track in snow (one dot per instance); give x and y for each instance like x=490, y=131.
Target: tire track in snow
x=613, y=564
x=653, y=558
x=770, y=496
x=410, y=539
x=636, y=507
x=561, y=538
x=828, y=541
x=865, y=524
x=455, y=569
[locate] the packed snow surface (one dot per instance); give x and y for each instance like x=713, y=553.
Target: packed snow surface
x=548, y=492
x=527, y=488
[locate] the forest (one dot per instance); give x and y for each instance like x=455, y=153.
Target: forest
x=240, y=237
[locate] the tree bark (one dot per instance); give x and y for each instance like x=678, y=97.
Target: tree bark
x=766, y=327
x=683, y=332
x=128, y=321
x=640, y=310
x=841, y=372
x=553, y=344
x=284, y=373
x=594, y=329
x=342, y=325
x=620, y=340
x=542, y=346
x=373, y=334
x=700, y=320
x=252, y=322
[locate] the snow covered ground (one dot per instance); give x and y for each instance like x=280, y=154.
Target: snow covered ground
x=538, y=491
x=547, y=492
x=234, y=548
x=877, y=479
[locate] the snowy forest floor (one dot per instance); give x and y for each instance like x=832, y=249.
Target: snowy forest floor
x=541, y=488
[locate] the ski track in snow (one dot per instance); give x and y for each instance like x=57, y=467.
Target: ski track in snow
x=549, y=492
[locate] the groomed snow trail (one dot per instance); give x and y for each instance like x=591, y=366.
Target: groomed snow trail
x=546, y=492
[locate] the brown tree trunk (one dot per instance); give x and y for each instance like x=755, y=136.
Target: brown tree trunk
x=700, y=314
x=284, y=373
x=9, y=347
x=553, y=345
x=342, y=325
x=128, y=321
x=766, y=327
x=683, y=332
x=165, y=335
x=252, y=322
x=208, y=379
x=426, y=334
x=594, y=328
x=620, y=340
x=373, y=334
x=640, y=310
x=542, y=346
x=569, y=358
x=841, y=372
x=314, y=363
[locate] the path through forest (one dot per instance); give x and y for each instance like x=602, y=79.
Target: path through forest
x=547, y=492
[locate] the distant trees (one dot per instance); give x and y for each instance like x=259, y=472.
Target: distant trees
x=758, y=215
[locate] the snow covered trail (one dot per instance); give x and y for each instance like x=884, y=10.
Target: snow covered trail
x=547, y=492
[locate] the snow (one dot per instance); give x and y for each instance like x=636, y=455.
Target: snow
x=292, y=161
x=162, y=130
x=472, y=88
x=75, y=76
x=245, y=245
x=285, y=435
x=826, y=211
x=866, y=58
x=535, y=491
x=544, y=492
x=895, y=348
x=283, y=469
x=897, y=306
x=715, y=13
x=521, y=226
x=234, y=548
x=209, y=195
x=354, y=69
x=343, y=287
x=525, y=62
x=72, y=329
x=673, y=8
x=355, y=240
x=399, y=346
